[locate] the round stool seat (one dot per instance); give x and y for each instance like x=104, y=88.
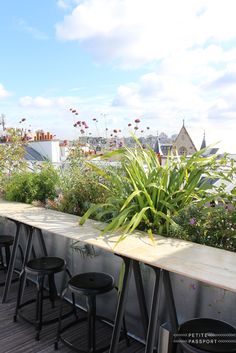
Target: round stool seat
x=6, y=240
x=46, y=265
x=91, y=283
x=209, y=335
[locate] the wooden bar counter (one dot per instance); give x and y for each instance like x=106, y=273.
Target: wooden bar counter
x=213, y=266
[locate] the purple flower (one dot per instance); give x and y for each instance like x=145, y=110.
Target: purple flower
x=192, y=221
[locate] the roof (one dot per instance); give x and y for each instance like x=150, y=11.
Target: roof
x=203, y=145
x=32, y=155
x=183, y=128
x=157, y=147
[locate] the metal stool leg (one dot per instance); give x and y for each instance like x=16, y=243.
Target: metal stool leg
x=72, y=294
x=52, y=289
x=27, y=256
x=1, y=258
x=11, y=263
x=8, y=255
x=39, y=306
x=91, y=305
x=63, y=293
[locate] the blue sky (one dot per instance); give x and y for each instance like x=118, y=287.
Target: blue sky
x=160, y=61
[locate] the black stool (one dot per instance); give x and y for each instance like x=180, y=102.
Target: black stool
x=206, y=335
x=6, y=241
x=41, y=267
x=88, y=284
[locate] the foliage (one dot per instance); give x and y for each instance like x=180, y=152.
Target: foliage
x=79, y=189
x=11, y=156
x=79, y=186
x=147, y=195
x=28, y=186
x=214, y=226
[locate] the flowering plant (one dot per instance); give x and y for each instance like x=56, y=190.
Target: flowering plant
x=214, y=226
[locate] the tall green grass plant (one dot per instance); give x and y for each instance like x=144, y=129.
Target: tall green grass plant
x=146, y=194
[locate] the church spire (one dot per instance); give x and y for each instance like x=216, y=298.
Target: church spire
x=157, y=147
x=203, y=145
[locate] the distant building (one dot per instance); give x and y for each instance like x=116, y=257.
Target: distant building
x=166, y=148
x=203, y=145
x=33, y=156
x=49, y=149
x=158, y=147
x=39, y=146
x=183, y=144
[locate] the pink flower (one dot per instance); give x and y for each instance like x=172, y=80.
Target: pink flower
x=192, y=221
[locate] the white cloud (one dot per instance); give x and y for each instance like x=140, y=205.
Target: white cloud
x=40, y=102
x=3, y=92
x=33, y=31
x=137, y=32
x=126, y=97
x=62, y=4
x=37, y=102
x=66, y=4
x=188, y=86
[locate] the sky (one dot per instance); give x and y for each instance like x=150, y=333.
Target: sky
x=118, y=60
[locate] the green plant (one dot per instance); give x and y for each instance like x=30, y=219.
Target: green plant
x=28, y=186
x=46, y=182
x=79, y=188
x=20, y=187
x=214, y=226
x=11, y=156
x=147, y=195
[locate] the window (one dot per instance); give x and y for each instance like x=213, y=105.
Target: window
x=182, y=150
